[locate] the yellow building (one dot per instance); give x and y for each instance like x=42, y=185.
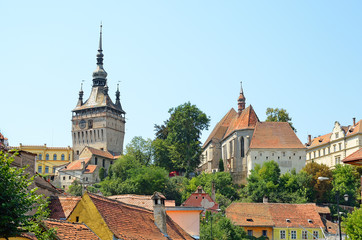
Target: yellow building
x=48, y=158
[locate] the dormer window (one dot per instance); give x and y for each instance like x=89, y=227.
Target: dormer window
x=249, y=220
x=310, y=220
x=288, y=220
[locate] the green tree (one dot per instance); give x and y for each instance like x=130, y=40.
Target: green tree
x=180, y=150
x=217, y=226
x=345, y=181
x=352, y=224
x=75, y=188
x=221, y=165
x=279, y=115
x=17, y=200
x=141, y=149
x=318, y=191
x=102, y=173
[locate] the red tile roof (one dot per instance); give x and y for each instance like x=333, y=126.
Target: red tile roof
x=201, y=199
x=354, y=158
x=355, y=129
x=131, y=222
x=321, y=140
x=274, y=135
x=61, y=207
x=144, y=201
x=247, y=119
x=275, y=214
x=90, y=168
x=102, y=153
x=221, y=127
x=77, y=165
x=67, y=230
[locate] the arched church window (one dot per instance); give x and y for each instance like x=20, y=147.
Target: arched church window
x=47, y=157
x=62, y=157
x=54, y=157
x=242, y=149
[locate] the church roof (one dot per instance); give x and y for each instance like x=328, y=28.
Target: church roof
x=245, y=120
x=274, y=135
x=221, y=127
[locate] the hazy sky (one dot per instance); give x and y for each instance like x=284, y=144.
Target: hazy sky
x=304, y=56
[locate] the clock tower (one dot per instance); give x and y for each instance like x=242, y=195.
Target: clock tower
x=98, y=122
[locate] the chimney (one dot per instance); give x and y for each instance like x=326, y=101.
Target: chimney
x=159, y=212
x=309, y=139
x=354, y=121
x=265, y=199
x=83, y=165
x=213, y=191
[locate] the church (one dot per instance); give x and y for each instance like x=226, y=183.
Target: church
x=98, y=128
x=240, y=140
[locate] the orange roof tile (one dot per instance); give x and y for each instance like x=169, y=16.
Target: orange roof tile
x=101, y=153
x=274, y=135
x=131, y=222
x=90, y=168
x=247, y=119
x=221, y=127
x=61, y=207
x=321, y=140
x=355, y=129
x=67, y=230
x=144, y=201
x=201, y=200
x=77, y=164
x=274, y=214
x=354, y=158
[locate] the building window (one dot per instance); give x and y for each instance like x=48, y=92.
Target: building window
x=77, y=219
x=282, y=234
x=62, y=157
x=77, y=152
x=334, y=148
x=337, y=160
x=293, y=234
x=315, y=234
x=265, y=233
x=242, y=149
x=260, y=154
x=103, y=163
x=40, y=156
x=250, y=232
x=337, y=135
x=64, y=178
x=310, y=156
x=319, y=153
x=47, y=157
x=46, y=169
x=96, y=161
x=300, y=157
x=39, y=169
x=53, y=169
x=54, y=157
x=339, y=146
x=266, y=158
x=283, y=154
x=304, y=235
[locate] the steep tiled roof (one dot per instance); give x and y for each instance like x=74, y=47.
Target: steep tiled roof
x=245, y=120
x=354, y=158
x=275, y=214
x=77, y=165
x=355, y=129
x=131, y=222
x=144, y=201
x=61, y=207
x=90, y=168
x=275, y=135
x=201, y=200
x=101, y=153
x=67, y=230
x=321, y=140
x=221, y=127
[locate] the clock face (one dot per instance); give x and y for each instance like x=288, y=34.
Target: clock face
x=82, y=124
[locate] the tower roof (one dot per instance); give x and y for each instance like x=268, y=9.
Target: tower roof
x=100, y=75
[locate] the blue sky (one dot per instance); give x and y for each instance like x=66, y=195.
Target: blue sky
x=304, y=56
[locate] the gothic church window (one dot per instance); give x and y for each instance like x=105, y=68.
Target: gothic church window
x=242, y=149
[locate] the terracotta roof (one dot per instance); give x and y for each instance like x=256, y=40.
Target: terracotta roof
x=42, y=183
x=221, y=127
x=67, y=230
x=131, y=222
x=355, y=129
x=323, y=210
x=76, y=165
x=29, y=236
x=102, y=153
x=331, y=227
x=354, y=158
x=144, y=201
x=90, y=168
x=201, y=200
x=245, y=120
x=61, y=207
x=275, y=214
x=274, y=135
x=321, y=140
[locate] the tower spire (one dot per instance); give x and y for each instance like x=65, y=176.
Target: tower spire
x=80, y=100
x=100, y=75
x=241, y=99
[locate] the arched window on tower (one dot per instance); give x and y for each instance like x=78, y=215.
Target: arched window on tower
x=242, y=147
x=102, y=134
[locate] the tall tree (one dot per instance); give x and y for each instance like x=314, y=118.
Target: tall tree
x=345, y=181
x=181, y=147
x=279, y=115
x=352, y=224
x=17, y=200
x=141, y=149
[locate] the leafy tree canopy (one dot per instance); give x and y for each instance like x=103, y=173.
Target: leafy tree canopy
x=75, y=188
x=279, y=115
x=178, y=144
x=141, y=149
x=345, y=181
x=352, y=224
